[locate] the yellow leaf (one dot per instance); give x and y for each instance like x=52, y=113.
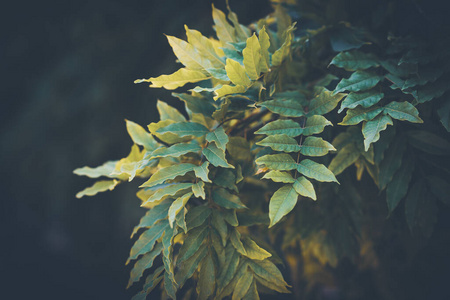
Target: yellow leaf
x=229, y=89
x=252, y=57
x=188, y=55
x=99, y=186
x=204, y=46
x=264, y=42
x=175, y=80
x=225, y=32
x=236, y=73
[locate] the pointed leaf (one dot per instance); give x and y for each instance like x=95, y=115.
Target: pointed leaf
x=287, y=108
x=140, y=136
x=280, y=142
x=398, y=187
x=281, y=203
x=187, y=267
x=287, y=127
x=197, y=216
x=227, y=200
x=99, y=186
x=196, y=104
x=182, y=129
x=366, y=100
x=202, y=172
x=345, y=157
x=150, y=283
x=315, y=171
x=371, y=129
x=359, y=81
x=219, y=137
x=147, y=240
x=404, y=111
x=266, y=270
x=225, y=32
x=354, y=116
x=175, y=80
x=167, y=112
x=242, y=285
x=177, y=150
x=305, y=188
x=429, y=142
x=444, y=115
x=229, y=90
x=412, y=204
x=207, y=278
x=226, y=178
x=236, y=73
x=239, y=148
x=392, y=161
x=325, y=102
x=229, y=269
x=355, y=60
x=315, y=124
x=168, y=173
x=252, y=57
x=216, y=156
x=203, y=45
x=253, y=251
x=440, y=188
x=104, y=170
x=281, y=162
x=154, y=215
x=143, y=264
x=194, y=239
x=278, y=176
x=199, y=190
x=177, y=206
x=281, y=54
x=188, y=55
x=314, y=146
x=264, y=42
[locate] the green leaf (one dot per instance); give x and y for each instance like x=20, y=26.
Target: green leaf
x=99, y=186
x=314, y=146
x=324, y=102
x=267, y=271
x=281, y=203
x=225, y=178
x=264, y=42
x=371, y=129
x=278, y=176
x=229, y=269
x=168, y=137
x=287, y=127
x=358, y=114
x=428, y=142
x=287, y=108
x=242, y=32
x=147, y=240
x=143, y=264
x=204, y=46
x=228, y=90
x=280, y=142
x=192, y=242
x=177, y=206
x=216, y=156
x=187, y=267
x=315, y=171
x=220, y=74
x=444, y=115
x=183, y=129
x=140, y=136
x=404, y=111
x=150, y=283
x=398, y=187
x=315, y=124
x=359, y=81
x=412, y=203
x=305, y=188
x=440, y=188
x=242, y=285
x=366, y=99
x=199, y=190
x=218, y=223
x=207, y=278
x=154, y=215
x=252, y=293
x=197, y=216
x=252, y=57
x=188, y=55
x=167, y=112
x=219, y=137
x=168, y=173
x=104, y=170
x=176, y=79
x=225, y=32
x=236, y=73
x=345, y=157
x=281, y=162
x=202, y=172
x=253, y=251
x=181, y=219
x=177, y=150
x=392, y=161
x=227, y=200
x=355, y=60
x=239, y=148
x=196, y=104
x=285, y=50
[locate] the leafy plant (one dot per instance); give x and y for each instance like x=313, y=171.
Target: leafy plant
x=257, y=171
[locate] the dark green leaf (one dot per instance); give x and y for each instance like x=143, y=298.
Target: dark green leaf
x=223, y=198
x=392, y=161
x=429, y=142
x=404, y=111
x=359, y=81
x=346, y=157
x=216, y=156
x=398, y=187
x=197, y=216
x=355, y=60
x=325, y=102
x=287, y=108
x=354, y=116
x=192, y=242
x=366, y=100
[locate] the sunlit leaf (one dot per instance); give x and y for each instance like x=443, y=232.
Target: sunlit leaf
x=359, y=81
x=315, y=171
x=175, y=80
x=225, y=32
x=177, y=206
x=281, y=162
x=204, y=46
x=168, y=173
x=99, y=186
x=236, y=73
x=371, y=129
x=104, y=170
x=286, y=127
x=140, y=136
x=188, y=55
x=264, y=42
x=279, y=176
x=252, y=57
x=167, y=112
x=202, y=171
x=304, y=187
x=228, y=90
x=216, y=156
x=281, y=203
x=199, y=190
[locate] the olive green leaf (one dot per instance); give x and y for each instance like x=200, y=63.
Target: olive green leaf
x=242, y=285
x=252, y=57
x=281, y=203
x=285, y=50
x=207, y=278
x=176, y=207
x=183, y=129
x=176, y=79
x=279, y=176
x=355, y=60
x=177, y=150
x=197, y=216
x=168, y=173
x=264, y=42
x=99, y=186
x=371, y=129
x=199, y=190
x=287, y=108
x=229, y=90
x=324, y=102
x=286, y=127
x=281, y=162
x=227, y=200
x=345, y=157
x=280, y=142
x=315, y=171
x=315, y=124
x=140, y=136
x=398, y=187
x=359, y=81
x=192, y=242
x=354, y=116
x=219, y=137
x=366, y=99
x=404, y=111
x=314, y=146
x=147, y=239
x=144, y=263
x=168, y=190
x=167, y=112
x=304, y=187
x=216, y=156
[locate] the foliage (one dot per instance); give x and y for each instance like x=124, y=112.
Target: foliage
x=261, y=153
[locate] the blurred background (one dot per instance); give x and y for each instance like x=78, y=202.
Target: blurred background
x=66, y=88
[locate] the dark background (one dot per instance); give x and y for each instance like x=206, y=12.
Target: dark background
x=67, y=85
